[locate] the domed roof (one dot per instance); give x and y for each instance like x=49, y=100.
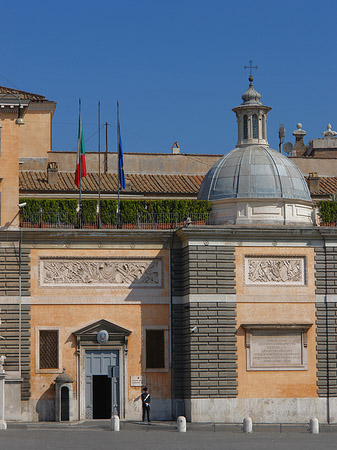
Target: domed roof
x=64, y=378
x=254, y=171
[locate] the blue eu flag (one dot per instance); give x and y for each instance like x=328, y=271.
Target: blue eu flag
x=120, y=159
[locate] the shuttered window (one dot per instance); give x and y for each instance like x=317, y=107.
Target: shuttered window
x=49, y=349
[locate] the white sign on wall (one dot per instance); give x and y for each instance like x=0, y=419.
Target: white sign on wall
x=137, y=380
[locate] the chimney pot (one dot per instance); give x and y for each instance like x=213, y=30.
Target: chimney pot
x=52, y=173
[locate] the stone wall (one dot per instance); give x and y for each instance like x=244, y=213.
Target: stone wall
x=9, y=271
x=204, y=350
x=326, y=321
x=203, y=269
x=326, y=325
x=9, y=313
x=9, y=330
x=325, y=270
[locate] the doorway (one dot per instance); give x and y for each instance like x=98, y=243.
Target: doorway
x=101, y=389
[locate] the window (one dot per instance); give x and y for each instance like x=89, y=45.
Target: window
x=263, y=127
x=155, y=349
x=49, y=349
x=255, y=125
x=245, y=127
x=47, y=354
x=155, y=355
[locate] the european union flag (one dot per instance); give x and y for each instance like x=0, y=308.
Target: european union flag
x=120, y=159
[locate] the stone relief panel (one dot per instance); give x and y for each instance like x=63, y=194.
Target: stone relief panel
x=275, y=271
x=100, y=272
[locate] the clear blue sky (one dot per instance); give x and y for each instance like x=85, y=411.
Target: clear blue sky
x=175, y=66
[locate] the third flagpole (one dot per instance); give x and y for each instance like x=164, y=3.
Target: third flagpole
x=99, y=164
x=118, y=162
x=80, y=168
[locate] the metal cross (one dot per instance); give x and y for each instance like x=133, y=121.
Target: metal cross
x=251, y=67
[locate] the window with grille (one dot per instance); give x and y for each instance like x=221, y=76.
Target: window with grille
x=155, y=349
x=49, y=349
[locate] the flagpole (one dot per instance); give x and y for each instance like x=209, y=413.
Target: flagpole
x=119, y=175
x=99, y=164
x=80, y=168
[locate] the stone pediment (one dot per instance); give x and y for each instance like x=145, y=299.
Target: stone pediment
x=90, y=331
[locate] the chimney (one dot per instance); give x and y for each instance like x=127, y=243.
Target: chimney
x=313, y=182
x=175, y=148
x=128, y=184
x=52, y=173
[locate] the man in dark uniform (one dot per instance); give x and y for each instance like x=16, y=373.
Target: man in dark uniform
x=146, y=399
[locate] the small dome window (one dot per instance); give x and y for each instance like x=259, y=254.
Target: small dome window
x=255, y=125
x=245, y=127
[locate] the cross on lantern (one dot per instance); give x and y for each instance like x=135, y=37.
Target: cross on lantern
x=251, y=67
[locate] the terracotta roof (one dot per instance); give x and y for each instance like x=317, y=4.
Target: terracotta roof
x=36, y=182
x=327, y=186
x=140, y=184
x=23, y=94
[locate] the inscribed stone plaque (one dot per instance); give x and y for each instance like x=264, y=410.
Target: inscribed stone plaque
x=137, y=380
x=275, y=271
x=276, y=351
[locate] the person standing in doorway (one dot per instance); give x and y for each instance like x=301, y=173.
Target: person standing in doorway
x=146, y=399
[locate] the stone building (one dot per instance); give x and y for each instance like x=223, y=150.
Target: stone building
x=221, y=321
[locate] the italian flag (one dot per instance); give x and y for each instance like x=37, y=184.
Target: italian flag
x=80, y=160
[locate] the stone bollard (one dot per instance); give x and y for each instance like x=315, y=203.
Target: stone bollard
x=314, y=426
x=247, y=425
x=181, y=424
x=115, y=423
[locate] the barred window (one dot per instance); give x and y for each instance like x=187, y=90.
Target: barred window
x=155, y=349
x=49, y=349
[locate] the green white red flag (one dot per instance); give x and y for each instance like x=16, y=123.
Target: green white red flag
x=80, y=160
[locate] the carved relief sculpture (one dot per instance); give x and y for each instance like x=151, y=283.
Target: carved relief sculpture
x=274, y=271
x=103, y=272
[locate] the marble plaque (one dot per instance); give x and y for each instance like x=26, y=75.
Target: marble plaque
x=100, y=272
x=137, y=380
x=269, y=271
x=276, y=351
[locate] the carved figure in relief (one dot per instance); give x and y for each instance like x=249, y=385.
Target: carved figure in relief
x=101, y=272
x=274, y=270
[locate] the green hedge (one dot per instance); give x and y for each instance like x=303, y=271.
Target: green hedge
x=327, y=211
x=65, y=210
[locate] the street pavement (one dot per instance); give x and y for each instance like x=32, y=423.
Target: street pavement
x=163, y=436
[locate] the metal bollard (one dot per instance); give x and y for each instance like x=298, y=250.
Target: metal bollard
x=247, y=425
x=314, y=426
x=115, y=423
x=181, y=424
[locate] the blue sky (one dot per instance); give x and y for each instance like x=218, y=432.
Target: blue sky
x=176, y=67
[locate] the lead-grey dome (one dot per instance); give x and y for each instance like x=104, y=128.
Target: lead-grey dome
x=254, y=171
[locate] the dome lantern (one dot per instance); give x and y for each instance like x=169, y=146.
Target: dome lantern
x=252, y=118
